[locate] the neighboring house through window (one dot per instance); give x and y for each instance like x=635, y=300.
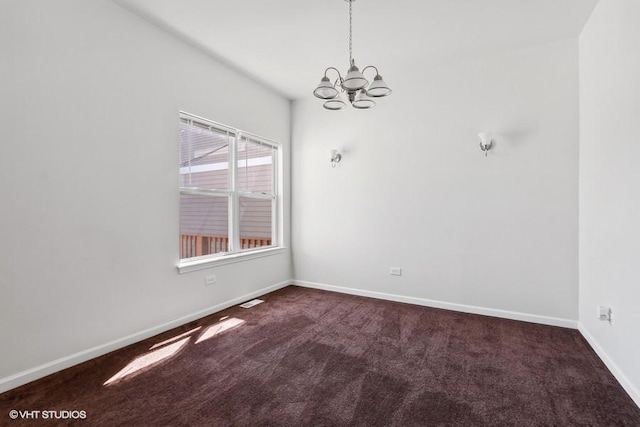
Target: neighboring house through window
x=228, y=191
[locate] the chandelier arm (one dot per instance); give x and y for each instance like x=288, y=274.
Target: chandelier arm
x=339, y=80
x=334, y=69
x=370, y=66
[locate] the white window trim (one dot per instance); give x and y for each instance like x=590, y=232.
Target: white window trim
x=215, y=260
x=201, y=263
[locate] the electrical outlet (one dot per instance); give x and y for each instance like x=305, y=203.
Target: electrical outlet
x=209, y=280
x=605, y=314
x=395, y=271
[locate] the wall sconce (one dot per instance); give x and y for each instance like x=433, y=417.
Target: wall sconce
x=335, y=158
x=486, y=142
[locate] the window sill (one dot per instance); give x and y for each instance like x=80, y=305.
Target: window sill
x=201, y=264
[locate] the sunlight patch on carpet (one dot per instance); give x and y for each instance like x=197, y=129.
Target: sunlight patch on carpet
x=176, y=338
x=219, y=328
x=149, y=360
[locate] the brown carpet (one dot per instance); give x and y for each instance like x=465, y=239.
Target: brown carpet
x=313, y=358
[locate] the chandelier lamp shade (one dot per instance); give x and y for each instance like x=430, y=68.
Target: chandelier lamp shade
x=359, y=91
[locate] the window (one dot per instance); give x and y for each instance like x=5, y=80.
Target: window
x=228, y=191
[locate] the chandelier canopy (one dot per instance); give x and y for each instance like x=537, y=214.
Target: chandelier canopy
x=358, y=89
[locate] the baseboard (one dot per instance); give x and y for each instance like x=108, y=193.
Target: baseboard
x=513, y=315
x=617, y=373
x=33, y=374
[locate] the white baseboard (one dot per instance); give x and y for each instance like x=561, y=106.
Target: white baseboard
x=37, y=372
x=622, y=378
x=513, y=315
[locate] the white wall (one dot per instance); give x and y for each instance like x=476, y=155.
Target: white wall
x=414, y=191
x=609, y=185
x=89, y=101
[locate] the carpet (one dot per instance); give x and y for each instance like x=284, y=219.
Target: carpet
x=307, y=357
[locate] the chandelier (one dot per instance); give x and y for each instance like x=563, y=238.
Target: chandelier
x=358, y=89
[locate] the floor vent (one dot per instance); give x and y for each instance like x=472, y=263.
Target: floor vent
x=251, y=303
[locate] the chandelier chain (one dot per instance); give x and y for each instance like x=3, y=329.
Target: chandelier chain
x=350, y=35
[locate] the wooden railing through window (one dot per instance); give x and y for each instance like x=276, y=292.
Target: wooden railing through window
x=192, y=245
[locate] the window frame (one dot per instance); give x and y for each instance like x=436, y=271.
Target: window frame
x=235, y=252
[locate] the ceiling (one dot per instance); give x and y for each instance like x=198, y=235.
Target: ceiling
x=287, y=44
